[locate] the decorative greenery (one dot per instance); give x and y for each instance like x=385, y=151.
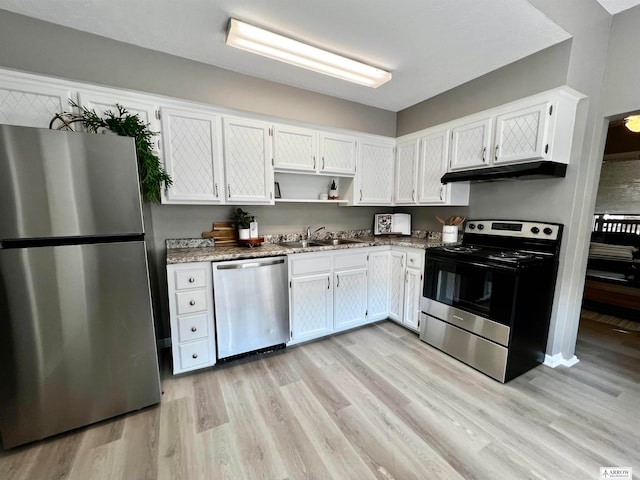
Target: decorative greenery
x=241, y=219
x=151, y=174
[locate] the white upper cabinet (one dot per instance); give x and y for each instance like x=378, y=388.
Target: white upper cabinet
x=337, y=154
x=535, y=128
x=521, y=135
x=434, y=157
x=247, y=161
x=434, y=150
x=193, y=156
x=374, y=175
x=406, y=172
x=147, y=109
x=106, y=99
x=470, y=145
x=31, y=103
x=295, y=149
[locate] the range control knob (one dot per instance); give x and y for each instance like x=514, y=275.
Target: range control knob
x=472, y=226
x=480, y=226
x=535, y=230
x=547, y=231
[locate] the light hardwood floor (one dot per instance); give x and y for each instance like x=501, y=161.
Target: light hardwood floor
x=370, y=403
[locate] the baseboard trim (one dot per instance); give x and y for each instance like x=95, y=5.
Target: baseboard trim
x=558, y=360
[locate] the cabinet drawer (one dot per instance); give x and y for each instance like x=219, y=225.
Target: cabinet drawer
x=190, y=278
x=350, y=260
x=193, y=354
x=191, y=302
x=415, y=259
x=192, y=327
x=310, y=264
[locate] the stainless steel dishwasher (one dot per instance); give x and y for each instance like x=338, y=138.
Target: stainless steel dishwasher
x=251, y=304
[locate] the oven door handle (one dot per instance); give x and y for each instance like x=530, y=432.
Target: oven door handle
x=434, y=260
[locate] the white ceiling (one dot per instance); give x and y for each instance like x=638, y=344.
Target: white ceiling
x=430, y=46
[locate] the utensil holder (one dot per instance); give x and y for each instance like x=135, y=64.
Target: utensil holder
x=449, y=234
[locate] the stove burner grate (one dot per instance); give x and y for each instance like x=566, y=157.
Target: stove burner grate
x=461, y=249
x=510, y=255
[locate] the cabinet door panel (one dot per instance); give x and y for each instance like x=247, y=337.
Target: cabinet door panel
x=337, y=154
x=521, y=135
x=103, y=101
x=30, y=104
x=349, y=298
x=295, y=149
x=379, y=282
x=375, y=174
x=396, y=293
x=433, y=164
x=193, y=156
x=310, y=306
x=406, y=172
x=470, y=145
x=412, y=294
x=247, y=161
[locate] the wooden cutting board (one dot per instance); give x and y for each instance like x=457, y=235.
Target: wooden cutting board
x=223, y=233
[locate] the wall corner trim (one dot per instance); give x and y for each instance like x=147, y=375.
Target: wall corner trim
x=558, y=360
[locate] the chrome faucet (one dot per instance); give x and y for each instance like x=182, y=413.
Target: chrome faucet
x=310, y=233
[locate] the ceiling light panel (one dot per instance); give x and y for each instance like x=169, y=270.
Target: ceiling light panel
x=272, y=45
x=633, y=123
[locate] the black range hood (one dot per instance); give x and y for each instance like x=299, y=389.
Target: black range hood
x=523, y=171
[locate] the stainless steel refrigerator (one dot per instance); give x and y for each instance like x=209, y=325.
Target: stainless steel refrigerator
x=77, y=342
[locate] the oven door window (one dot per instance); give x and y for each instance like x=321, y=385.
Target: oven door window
x=480, y=289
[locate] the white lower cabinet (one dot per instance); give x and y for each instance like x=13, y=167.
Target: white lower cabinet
x=407, y=267
x=310, y=296
x=328, y=292
x=191, y=316
x=412, y=294
x=350, y=289
x=337, y=290
x=396, y=284
x=378, y=283
x=311, y=312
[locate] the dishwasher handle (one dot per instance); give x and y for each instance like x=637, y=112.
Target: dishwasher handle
x=260, y=263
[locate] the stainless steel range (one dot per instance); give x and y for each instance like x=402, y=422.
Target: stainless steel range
x=487, y=301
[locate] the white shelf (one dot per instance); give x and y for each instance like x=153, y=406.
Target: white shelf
x=307, y=200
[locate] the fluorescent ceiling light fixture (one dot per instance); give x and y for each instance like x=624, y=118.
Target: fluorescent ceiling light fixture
x=256, y=40
x=633, y=123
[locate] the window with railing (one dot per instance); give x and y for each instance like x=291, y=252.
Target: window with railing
x=611, y=223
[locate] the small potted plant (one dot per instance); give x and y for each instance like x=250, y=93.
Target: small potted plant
x=242, y=220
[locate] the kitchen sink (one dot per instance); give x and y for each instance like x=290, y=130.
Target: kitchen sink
x=338, y=241
x=303, y=244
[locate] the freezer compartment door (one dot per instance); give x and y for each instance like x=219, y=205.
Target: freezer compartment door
x=77, y=342
x=66, y=184
x=251, y=304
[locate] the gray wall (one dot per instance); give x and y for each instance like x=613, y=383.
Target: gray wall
x=621, y=92
x=578, y=63
x=536, y=73
x=35, y=46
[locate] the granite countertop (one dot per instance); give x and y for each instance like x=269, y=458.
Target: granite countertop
x=207, y=253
